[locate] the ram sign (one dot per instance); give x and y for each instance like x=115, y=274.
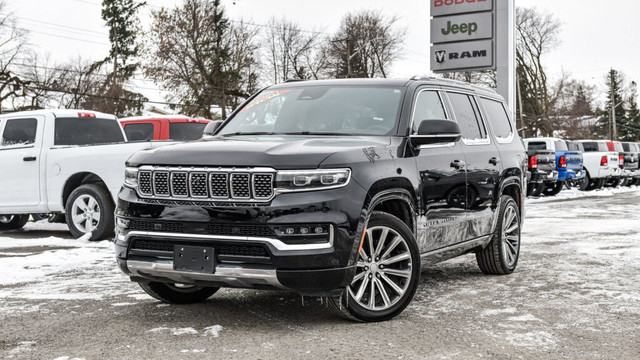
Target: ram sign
x=463, y=35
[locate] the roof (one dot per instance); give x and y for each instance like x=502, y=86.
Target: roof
x=59, y=113
x=427, y=80
x=156, y=117
x=543, y=139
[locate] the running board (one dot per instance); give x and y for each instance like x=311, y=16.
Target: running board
x=446, y=253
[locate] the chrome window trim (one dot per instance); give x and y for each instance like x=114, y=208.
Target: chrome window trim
x=446, y=114
x=278, y=244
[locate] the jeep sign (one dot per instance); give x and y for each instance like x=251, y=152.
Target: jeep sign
x=449, y=7
x=462, y=28
x=463, y=56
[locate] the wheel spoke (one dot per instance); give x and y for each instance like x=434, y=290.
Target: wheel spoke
x=511, y=246
x=511, y=214
x=96, y=216
x=391, y=247
x=396, y=272
x=363, y=255
x=392, y=284
x=361, y=264
x=80, y=204
x=511, y=229
x=397, y=258
x=77, y=219
x=92, y=203
x=381, y=241
x=358, y=277
x=370, y=242
x=383, y=293
x=372, y=295
x=361, y=290
x=513, y=238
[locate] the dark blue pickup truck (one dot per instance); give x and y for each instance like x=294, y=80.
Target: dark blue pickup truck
x=568, y=161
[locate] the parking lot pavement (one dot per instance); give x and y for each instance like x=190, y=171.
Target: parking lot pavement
x=575, y=294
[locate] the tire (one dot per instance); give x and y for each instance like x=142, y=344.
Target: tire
x=535, y=189
x=500, y=256
x=13, y=222
x=393, y=283
x=613, y=183
x=600, y=183
x=176, y=294
x=583, y=184
x=82, y=206
x=554, y=189
x=626, y=182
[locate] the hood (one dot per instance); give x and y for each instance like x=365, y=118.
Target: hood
x=279, y=152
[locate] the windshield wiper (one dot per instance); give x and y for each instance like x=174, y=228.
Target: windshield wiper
x=251, y=133
x=315, y=133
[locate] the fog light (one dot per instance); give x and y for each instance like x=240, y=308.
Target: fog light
x=290, y=231
x=318, y=230
x=304, y=230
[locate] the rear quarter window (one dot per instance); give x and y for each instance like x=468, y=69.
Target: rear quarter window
x=87, y=131
x=498, y=117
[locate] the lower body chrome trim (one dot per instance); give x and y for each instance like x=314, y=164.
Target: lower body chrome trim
x=455, y=250
x=232, y=275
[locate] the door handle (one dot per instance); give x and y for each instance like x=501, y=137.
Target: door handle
x=494, y=160
x=29, y=158
x=457, y=164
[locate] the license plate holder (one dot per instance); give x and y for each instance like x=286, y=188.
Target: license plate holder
x=197, y=259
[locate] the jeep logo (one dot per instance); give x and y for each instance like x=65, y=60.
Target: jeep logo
x=470, y=28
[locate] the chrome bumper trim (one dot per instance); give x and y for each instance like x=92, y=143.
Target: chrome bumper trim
x=279, y=245
x=232, y=275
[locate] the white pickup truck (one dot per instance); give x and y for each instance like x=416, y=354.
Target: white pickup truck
x=69, y=162
x=600, y=163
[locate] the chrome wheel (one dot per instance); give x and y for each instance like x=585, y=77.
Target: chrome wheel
x=5, y=219
x=384, y=270
x=510, y=235
x=85, y=213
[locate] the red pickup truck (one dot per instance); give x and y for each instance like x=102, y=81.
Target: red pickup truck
x=170, y=127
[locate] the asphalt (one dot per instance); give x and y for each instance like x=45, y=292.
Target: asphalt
x=575, y=294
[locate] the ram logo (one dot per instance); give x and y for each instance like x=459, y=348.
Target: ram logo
x=441, y=56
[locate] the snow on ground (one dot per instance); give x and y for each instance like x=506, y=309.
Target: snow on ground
x=576, y=283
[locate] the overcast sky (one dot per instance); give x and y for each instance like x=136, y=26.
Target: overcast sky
x=595, y=35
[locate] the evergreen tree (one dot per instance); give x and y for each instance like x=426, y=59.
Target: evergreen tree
x=615, y=85
x=122, y=20
x=632, y=131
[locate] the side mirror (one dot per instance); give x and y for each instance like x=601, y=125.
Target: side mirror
x=211, y=128
x=436, y=131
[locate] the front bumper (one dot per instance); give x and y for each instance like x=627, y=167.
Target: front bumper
x=247, y=256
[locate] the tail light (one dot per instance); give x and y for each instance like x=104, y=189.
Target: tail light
x=562, y=162
x=604, y=161
x=533, y=162
x=621, y=163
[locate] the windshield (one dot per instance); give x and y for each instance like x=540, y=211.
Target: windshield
x=329, y=110
x=87, y=131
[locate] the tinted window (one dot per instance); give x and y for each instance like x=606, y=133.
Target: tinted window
x=574, y=146
x=320, y=110
x=20, y=132
x=498, y=117
x=467, y=115
x=537, y=145
x=138, y=132
x=428, y=107
x=186, y=131
x=590, y=146
x=87, y=131
x=560, y=145
x=627, y=147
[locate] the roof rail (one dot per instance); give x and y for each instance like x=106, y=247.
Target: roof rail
x=453, y=82
x=294, y=80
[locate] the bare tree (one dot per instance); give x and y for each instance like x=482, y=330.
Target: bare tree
x=293, y=53
x=189, y=50
x=44, y=82
x=537, y=35
x=366, y=45
x=13, y=44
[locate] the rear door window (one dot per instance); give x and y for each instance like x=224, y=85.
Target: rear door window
x=500, y=122
x=428, y=107
x=467, y=115
x=87, y=131
x=19, y=132
x=139, y=132
x=186, y=131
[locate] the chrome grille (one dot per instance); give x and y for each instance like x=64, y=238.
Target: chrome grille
x=144, y=183
x=206, y=184
x=262, y=186
x=179, y=184
x=240, y=187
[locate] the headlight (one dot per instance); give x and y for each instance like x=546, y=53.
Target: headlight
x=131, y=178
x=306, y=180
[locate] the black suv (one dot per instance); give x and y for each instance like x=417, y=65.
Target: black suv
x=339, y=189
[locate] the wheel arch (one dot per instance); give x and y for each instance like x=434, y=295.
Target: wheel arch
x=79, y=179
x=396, y=197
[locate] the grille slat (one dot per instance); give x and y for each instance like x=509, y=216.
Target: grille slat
x=203, y=184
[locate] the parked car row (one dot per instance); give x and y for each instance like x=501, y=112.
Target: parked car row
x=588, y=165
x=68, y=165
